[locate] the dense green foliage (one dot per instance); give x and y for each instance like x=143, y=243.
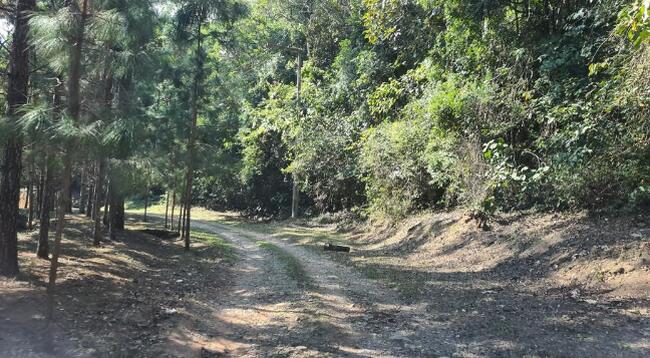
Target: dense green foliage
x=405, y=105
x=437, y=103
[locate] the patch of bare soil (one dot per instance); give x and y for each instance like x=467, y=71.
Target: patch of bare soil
x=115, y=301
x=535, y=285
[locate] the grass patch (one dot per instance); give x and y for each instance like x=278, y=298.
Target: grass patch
x=214, y=246
x=137, y=202
x=297, y=233
x=291, y=264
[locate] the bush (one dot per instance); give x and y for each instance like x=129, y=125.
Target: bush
x=405, y=166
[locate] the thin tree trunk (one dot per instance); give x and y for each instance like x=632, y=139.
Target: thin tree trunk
x=30, y=198
x=68, y=208
x=39, y=189
x=97, y=234
x=64, y=197
x=26, y=202
x=166, y=210
x=146, y=203
x=192, y=137
x=82, y=191
x=295, y=192
x=91, y=196
x=186, y=228
x=173, y=208
x=180, y=218
x=101, y=165
x=112, y=230
x=74, y=106
x=106, y=202
x=17, y=86
x=43, y=249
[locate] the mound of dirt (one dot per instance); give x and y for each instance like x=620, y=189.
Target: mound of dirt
x=606, y=259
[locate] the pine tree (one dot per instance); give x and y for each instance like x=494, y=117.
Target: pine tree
x=17, y=88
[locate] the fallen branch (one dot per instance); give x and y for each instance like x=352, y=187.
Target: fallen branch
x=336, y=248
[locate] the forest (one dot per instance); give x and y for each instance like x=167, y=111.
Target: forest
x=452, y=147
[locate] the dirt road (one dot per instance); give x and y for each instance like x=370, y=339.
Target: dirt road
x=325, y=310
x=329, y=309
x=145, y=297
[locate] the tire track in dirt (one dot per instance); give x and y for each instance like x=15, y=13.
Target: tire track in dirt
x=339, y=313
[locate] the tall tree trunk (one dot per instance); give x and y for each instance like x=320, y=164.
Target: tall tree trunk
x=106, y=203
x=173, y=208
x=101, y=165
x=26, y=201
x=295, y=193
x=196, y=97
x=82, y=191
x=97, y=234
x=186, y=230
x=68, y=209
x=74, y=107
x=30, y=199
x=43, y=249
x=39, y=189
x=64, y=197
x=146, y=202
x=166, y=210
x=91, y=195
x=18, y=81
x=181, y=213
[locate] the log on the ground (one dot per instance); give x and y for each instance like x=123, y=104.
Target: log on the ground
x=336, y=248
x=163, y=234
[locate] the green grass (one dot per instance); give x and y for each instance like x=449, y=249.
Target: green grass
x=301, y=234
x=216, y=246
x=137, y=203
x=291, y=264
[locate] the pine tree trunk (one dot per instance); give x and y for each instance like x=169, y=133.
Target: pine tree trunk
x=99, y=181
x=173, y=208
x=74, y=106
x=196, y=97
x=17, y=86
x=83, y=192
x=68, y=209
x=26, y=202
x=30, y=199
x=112, y=229
x=64, y=197
x=295, y=193
x=167, y=210
x=146, y=203
x=91, y=197
x=39, y=190
x=181, y=213
x=43, y=249
x=106, y=203
x=97, y=234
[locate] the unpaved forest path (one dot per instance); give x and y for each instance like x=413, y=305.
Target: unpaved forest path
x=327, y=310
x=259, y=294
x=331, y=309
